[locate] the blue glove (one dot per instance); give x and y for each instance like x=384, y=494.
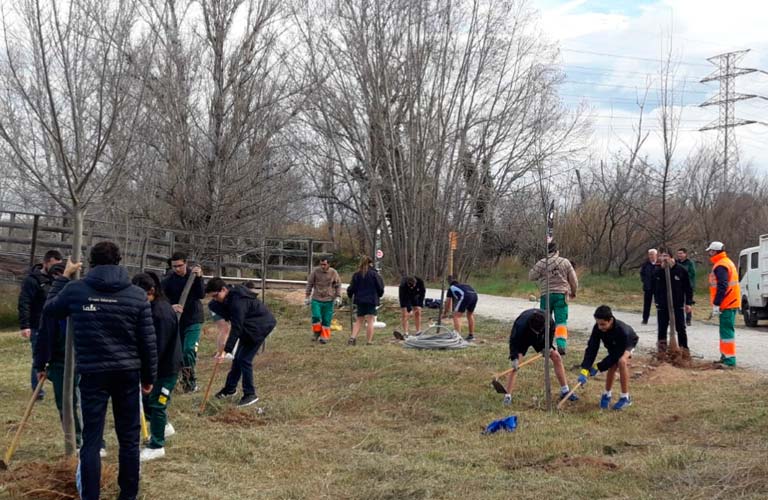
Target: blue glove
x=587, y=373
x=582, y=378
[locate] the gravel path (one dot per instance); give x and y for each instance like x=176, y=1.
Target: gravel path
x=751, y=343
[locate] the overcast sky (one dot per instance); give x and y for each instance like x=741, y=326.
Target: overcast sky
x=611, y=48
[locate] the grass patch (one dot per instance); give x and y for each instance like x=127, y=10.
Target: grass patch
x=9, y=316
x=382, y=422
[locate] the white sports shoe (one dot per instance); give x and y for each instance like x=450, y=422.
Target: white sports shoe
x=169, y=430
x=103, y=453
x=148, y=454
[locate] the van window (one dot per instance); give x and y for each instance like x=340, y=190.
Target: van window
x=753, y=260
x=742, y=266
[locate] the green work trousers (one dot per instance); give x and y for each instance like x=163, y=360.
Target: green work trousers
x=322, y=312
x=728, y=336
x=190, y=338
x=156, y=409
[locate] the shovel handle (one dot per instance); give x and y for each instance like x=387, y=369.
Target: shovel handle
x=526, y=362
x=210, y=383
x=565, y=398
x=27, y=412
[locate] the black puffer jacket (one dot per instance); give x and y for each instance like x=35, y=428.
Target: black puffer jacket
x=366, y=289
x=167, y=335
x=112, y=322
x=247, y=316
x=173, y=286
x=34, y=289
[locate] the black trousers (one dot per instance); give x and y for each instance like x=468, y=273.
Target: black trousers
x=647, y=301
x=96, y=389
x=662, y=315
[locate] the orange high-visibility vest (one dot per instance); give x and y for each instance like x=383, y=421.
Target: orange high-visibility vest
x=732, y=299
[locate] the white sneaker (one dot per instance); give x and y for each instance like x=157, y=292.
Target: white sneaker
x=148, y=454
x=169, y=430
x=103, y=453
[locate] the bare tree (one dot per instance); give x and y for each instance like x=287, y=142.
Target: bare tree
x=427, y=114
x=68, y=87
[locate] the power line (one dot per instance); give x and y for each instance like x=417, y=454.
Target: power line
x=611, y=71
x=577, y=82
x=633, y=58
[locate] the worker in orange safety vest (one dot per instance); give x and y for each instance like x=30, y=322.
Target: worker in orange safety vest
x=725, y=296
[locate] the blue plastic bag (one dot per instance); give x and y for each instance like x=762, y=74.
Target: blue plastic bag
x=508, y=424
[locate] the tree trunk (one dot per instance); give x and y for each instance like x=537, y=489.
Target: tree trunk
x=68, y=410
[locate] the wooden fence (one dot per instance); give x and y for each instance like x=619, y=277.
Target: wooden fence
x=25, y=237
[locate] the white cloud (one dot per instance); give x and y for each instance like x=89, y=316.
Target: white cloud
x=700, y=29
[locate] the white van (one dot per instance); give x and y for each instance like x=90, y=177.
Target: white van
x=753, y=279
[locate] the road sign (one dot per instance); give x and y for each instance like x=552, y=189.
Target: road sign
x=379, y=254
x=454, y=240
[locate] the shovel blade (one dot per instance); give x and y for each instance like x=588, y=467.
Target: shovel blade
x=498, y=387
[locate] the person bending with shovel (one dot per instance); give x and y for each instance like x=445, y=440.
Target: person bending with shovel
x=620, y=340
x=528, y=331
x=250, y=323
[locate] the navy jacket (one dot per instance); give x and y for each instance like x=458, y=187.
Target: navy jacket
x=34, y=290
x=112, y=322
x=50, y=344
x=246, y=314
x=646, y=275
x=617, y=340
x=167, y=335
x=522, y=336
x=682, y=294
x=173, y=285
x=366, y=289
x=417, y=293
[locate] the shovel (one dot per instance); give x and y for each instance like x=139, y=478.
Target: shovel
x=15, y=442
x=565, y=398
x=499, y=386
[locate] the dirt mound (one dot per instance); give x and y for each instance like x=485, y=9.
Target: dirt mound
x=233, y=416
x=44, y=481
x=583, y=461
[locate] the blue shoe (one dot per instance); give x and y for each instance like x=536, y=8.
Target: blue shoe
x=605, y=402
x=572, y=397
x=622, y=403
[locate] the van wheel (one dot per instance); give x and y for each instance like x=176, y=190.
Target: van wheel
x=750, y=315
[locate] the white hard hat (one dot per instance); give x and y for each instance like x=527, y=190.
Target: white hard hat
x=717, y=246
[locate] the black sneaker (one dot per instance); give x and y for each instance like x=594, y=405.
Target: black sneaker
x=322, y=340
x=315, y=336
x=470, y=338
x=223, y=395
x=352, y=341
x=248, y=400
x=398, y=335
x=191, y=388
x=644, y=322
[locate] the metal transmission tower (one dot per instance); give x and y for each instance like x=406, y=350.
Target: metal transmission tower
x=726, y=99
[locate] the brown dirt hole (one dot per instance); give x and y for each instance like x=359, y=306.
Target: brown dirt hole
x=51, y=481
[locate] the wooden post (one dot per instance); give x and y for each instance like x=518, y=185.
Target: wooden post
x=281, y=261
x=453, y=240
x=310, y=255
x=264, y=257
x=171, y=243
x=219, y=266
x=10, y=231
x=144, y=249
x=35, y=225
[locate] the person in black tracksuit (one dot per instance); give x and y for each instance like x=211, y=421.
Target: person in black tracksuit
x=646, y=276
x=250, y=324
x=115, y=353
x=620, y=340
x=365, y=289
x=34, y=290
x=191, y=321
x=48, y=358
x=527, y=332
x=411, y=294
x=682, y=299
x=168, y=363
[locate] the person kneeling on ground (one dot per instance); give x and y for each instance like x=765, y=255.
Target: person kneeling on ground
x=620, y=340
x=168, y=364
x=250, y=323
x=528, y=331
